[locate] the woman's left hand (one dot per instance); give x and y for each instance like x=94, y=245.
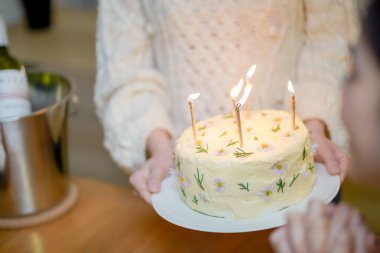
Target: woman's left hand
x=328, y=153
x=329, y=229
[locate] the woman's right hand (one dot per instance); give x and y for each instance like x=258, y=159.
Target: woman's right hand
x=147, y=180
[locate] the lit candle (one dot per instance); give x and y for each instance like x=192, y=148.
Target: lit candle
x=191, y=99
x=251, y=71
x=235, y=91
x=293, y=104
x=242, y=101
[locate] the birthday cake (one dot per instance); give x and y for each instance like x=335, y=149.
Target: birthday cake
x=274, y=168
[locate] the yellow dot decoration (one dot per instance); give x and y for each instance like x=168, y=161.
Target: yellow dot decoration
x=278, y=119
x=249, y=129
x=264, y=145
x=198, y=142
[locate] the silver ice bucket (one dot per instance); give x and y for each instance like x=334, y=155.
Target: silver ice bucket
x=33, y=155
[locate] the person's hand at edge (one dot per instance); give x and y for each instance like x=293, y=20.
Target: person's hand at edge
x=147, y=180
x=333, y=157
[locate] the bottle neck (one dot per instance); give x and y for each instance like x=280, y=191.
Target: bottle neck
x=3, y=33
x=3, y=50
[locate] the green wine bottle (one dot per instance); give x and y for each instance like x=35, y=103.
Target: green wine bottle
x=14, y=102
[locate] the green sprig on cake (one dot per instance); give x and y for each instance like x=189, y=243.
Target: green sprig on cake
x=244, y=186
x=202, y=149
x=241, y=153
x=199, y=178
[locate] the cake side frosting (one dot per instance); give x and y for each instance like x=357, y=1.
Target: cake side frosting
x=274, y=169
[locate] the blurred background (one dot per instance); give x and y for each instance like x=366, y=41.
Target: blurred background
x=68, y=46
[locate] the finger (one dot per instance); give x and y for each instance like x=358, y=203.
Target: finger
x=360, y=232
x=157, y=174
x=316, y=226
x=339, y=222
x=276, y=238
x=326, y=156
x=373, y=243
x=296, y=232
x=343, y=160
x=279, y=242
x=330, y=210
x=343, y=243
x=139, y=181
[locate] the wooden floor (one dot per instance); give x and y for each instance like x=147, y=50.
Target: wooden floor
x=69, y=47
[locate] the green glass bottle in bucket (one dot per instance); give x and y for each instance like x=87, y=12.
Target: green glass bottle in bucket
x=14, y=101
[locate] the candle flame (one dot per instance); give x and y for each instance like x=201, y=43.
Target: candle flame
x=290, y=87
x=235, y=91
x=193, y=97
x=247, y=91
x=251, y=71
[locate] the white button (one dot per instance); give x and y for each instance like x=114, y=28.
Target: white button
x=149, y=29
x=273, y=30
x=278, y=98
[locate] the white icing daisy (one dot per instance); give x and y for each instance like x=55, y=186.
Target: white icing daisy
x=266, y=193
x=219, y=185
x=279, y=168
x=279, y=120
x=180, y=177
x=203, y=197
x=265, y=147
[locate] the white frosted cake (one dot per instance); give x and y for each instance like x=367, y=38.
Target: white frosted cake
x=273, y=170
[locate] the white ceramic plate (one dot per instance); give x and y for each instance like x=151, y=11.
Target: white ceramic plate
x=169, y=205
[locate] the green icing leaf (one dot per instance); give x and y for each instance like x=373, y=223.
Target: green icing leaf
x=294, y=179
x=244, y=186
x=173, y=156
x=276, y=129
x=241, y=153
x=232, y=142
x=178, y=164
x=223, y=134
x=229, y=116
x=183, y=192
x=311, y=168
x=201, y=149
x=304, y=153
x=281, y=184
x=199, y=179
x=195, y=200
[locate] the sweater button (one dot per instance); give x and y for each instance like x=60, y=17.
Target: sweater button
x=278, y=98
x=273, y=30
x=149, y=29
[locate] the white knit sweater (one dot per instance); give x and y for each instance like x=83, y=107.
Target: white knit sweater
x=152, y=54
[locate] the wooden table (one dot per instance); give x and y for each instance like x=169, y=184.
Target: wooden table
x=107, y=218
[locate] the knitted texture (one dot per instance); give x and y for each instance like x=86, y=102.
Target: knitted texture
x=152, y=54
